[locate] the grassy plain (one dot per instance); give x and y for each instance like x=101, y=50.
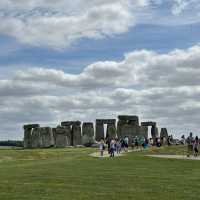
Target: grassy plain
x=62, y=174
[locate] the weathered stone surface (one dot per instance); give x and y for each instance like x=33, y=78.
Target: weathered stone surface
x=36, y=141
x=154, y=133
x=30, y=126
x=130, y=119
x=62, y=136
x=88, y=129
x=143, y=131
x=47, y=138
x=99, y=131
x=69, y=133
x=71, y=123
x=148, y=123
x=105, y=121
x=76, y=134
x=129, y=130
x=88, y=134
x=120, y=124
x=129, y=126
x=100, y=127
x=111, y=131
x=154, y=129
x=27, y=138
x=164, y=135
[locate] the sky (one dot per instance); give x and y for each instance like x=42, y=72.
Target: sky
x=86, y=59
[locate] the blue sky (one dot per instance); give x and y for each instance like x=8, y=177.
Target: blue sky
x=143, y=36
x=152, y=37
x=88, y=59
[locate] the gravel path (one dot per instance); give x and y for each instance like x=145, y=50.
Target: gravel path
x=183, y=157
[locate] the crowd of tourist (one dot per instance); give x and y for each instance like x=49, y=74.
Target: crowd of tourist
x=116, y=146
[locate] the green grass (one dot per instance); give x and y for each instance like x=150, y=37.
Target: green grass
x=62, y=174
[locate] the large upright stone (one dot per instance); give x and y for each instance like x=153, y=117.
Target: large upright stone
x=62, y=136
x=120, y=125
x=111, y=131
x=129, y=130
x=28, y=128
x=36, y=139
x=128, y=125
x=27, y=138
x=100, y=127
x=75, y=131
x=76, y=134
x=99, y=130
x=154, y=132
x=143, y=131
x=154, y=129
x=47, y=137
x=87, y=133
x=164, y=135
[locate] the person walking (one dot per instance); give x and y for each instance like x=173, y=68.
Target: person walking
x=196, y=146
x=112, y=148
x=101, y=147
x=126, y=142
x=108, y=140
x=118, y=146
x=190, y=141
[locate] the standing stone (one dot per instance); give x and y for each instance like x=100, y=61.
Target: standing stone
x=154, y=129
x=130, y=131
x=27, y=138
x=46, y=136
x=87, y=134
x=120, y=124
x=100, y=127
x=154, y=133
x=99, y=130
x=111, y=131
x=36, y=139
x=164, y=135
x=28, y=134
x=128, y=125
x=68, y=134
x=76, y=133
x=143, y=131
x=62, y=136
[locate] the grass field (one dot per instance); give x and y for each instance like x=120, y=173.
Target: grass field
x=62, y=174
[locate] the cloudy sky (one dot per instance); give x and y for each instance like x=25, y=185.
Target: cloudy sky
x=87, y=59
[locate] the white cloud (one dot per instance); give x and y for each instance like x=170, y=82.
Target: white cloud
x=160, y=87
x=59, y=24
x=138, y=69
